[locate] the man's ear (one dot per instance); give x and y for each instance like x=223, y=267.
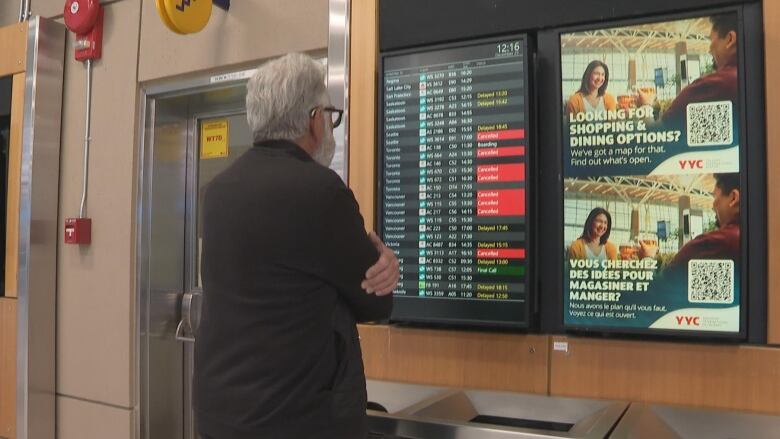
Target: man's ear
x=316, y=127
x=731, y=39
x=313, y=123
x=734, y=198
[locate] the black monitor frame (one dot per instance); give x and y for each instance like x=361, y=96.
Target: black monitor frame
x=752, y=178
x=530, y=192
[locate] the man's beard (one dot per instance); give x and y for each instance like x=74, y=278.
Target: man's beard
x=327, y=149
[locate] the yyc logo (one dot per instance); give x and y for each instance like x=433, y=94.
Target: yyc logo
x=687, y=320
x=691, y=164
x=184, y=4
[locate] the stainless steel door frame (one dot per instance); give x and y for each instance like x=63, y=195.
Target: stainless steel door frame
x=338, y=79
x=160, y=265
x=38, y=231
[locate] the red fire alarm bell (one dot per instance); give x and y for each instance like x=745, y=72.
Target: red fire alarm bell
x=85, y=19
x=78, y=231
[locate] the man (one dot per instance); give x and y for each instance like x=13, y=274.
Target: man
x=721, y=85
x=722, y=243
x=287, y=271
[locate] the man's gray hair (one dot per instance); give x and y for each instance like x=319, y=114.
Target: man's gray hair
x=281, y=94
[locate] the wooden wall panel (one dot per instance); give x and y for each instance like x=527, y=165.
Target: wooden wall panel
x=14, y=184
x=716, y=376
x=373, y=343
x=511, y=362
x=772, y=65
x=362, y=103
x=7, y=367
x=13, y=49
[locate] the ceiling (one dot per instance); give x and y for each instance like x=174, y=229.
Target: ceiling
x=665, y=189
x=645, y=37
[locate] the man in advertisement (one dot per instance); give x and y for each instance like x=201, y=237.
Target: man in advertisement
x=722, y=243
x=288, y=270
x=721, y=85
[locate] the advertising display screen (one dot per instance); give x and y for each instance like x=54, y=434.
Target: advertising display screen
x=653, y=142
x=452, y=181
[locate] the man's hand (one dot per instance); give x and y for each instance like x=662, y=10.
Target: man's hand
x=383, y=276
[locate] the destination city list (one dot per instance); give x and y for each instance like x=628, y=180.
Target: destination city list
x=454, y=177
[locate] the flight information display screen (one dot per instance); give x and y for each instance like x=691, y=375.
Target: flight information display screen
x=453, y=181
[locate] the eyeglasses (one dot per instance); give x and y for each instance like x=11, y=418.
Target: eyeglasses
x=335, y=114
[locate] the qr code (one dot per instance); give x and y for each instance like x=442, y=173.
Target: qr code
x=710, y=281
x=710, y=123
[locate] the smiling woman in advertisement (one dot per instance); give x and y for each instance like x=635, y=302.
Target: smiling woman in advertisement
x=592, y=97
x=594, y=242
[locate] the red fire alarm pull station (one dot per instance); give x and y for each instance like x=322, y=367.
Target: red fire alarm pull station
x=78, y=231
x=85, y=19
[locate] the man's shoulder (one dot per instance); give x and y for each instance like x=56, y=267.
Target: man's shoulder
x=717, y=244
x=316, y=184
x=321, y=182
x=280, y=166
x=722, y=79
x=325, y=175
x=706, y=238
x=267, y=176
x=729, y=71
x=714, y=239
x=727, y=232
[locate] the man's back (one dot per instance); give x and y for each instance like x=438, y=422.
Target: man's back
x=722, y=244
x=720, y=85
x=284, y=252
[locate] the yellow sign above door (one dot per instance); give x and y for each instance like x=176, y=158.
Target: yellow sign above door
x=184, y=16
x=214, y=138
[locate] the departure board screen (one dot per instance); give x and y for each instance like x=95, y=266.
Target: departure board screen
x=454, y=161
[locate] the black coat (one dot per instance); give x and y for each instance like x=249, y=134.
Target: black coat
x=284, y=251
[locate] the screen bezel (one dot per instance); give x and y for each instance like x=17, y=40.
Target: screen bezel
x=749, y=178
x=529, y=188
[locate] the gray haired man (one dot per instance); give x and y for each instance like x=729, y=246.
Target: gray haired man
x=288, y=270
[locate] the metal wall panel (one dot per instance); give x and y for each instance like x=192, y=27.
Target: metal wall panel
x=338, y=80
x=38, y=202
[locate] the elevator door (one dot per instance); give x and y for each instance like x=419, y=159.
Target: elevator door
x=190, y=136
x=219, y=138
